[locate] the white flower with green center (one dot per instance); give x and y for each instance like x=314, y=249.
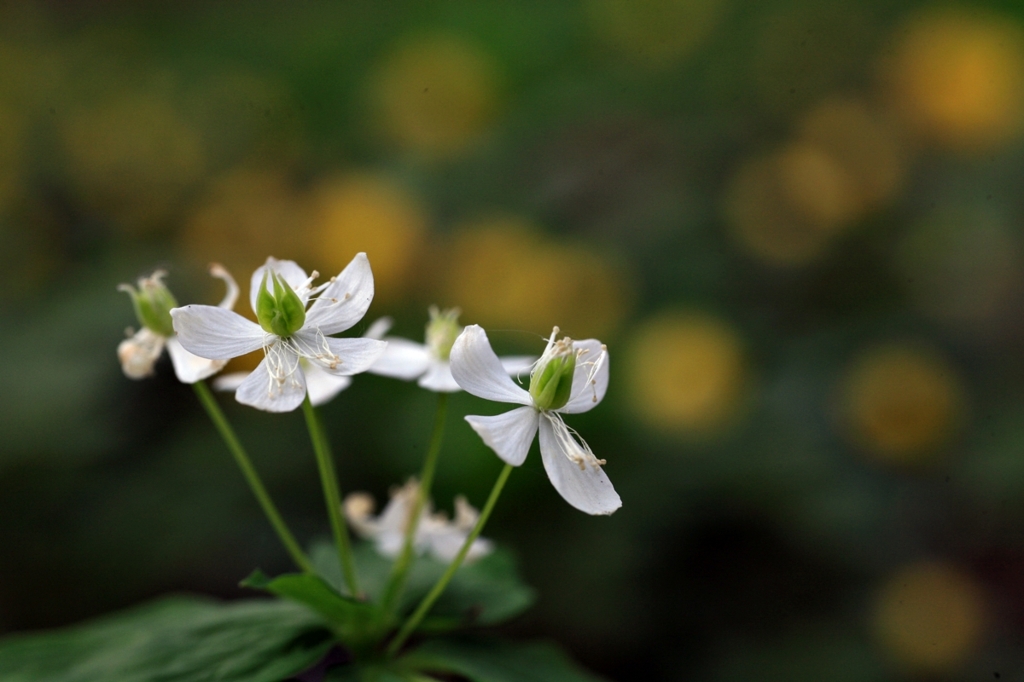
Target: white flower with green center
x=296, y=320
x=153, y=303
x=429, y=362
x=435, y=534
x=570, y=377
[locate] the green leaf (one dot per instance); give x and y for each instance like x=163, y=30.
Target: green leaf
x=347, y=616
x=496, y=661
x=369, y=673
x=484, y=592
x=173, y=640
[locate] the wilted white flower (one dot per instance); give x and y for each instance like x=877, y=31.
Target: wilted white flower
x=153, y=303
x=570, y=377
x=287, y=332
x=429, y=362
x=436, y=534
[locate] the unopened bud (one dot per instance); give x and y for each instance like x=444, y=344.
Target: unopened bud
x=551, y=380
x=442, y=330
x=152, y=302
x=281, y=312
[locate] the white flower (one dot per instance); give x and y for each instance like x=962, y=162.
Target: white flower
x=435, y=533
x=570, y=377
x=321, y=385
x=139, y=353
x=288, y=332
x=429, y=362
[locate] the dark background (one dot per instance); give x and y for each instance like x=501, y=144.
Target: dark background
x=796, y=224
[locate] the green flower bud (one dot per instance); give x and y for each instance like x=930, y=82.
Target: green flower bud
x=282, y=313
x=153, y=302
x=442, y=330
x=551, y=381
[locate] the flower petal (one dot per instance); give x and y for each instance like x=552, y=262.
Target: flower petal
x=358, y=508
x=390, y=544
x=231, y=295
x=323, y=386
x=189, y=367
x=478, y=371
x=509, y=435
x=438, y=378
x=402, y=359
x=280, y=393
x=395, y=515
x=288, y=269
x=588, y=386
x=230, y=381
x=351, y=356
x=139, y=353
x=345, y=300
x=216, y=333
x=378, y=328
x=446, y=543
x=588, y=489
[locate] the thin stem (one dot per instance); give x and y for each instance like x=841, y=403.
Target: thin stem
x=245, y=464
x=435, y=592
x=332, y=496
x=400, y=571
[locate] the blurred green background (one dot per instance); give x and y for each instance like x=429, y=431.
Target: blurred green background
x=796, y=224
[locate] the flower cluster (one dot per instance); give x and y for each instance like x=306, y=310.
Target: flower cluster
x=296, y=320
x=435, y=533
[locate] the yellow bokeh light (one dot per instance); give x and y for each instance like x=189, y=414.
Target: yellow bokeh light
x=958, y=78
x=131, y=158
x=247, y=215
x=504, y=273
x=654, y=32
x=785, y=209
x=929, y=617
x=816, y=186
x=434, y=95
x=901, y=403
x=363, y=212
x=685, y=371
x=863, y=144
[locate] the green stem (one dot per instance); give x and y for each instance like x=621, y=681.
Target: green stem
x=435, y=592
x=245, y=464
x=400, y=571
x=332, y=496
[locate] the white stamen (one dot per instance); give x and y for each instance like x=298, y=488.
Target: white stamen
x=594, y=367
x=319, y=351
x=282, y=364
x=572, y=444
x=314, y=293
x=554, y=349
